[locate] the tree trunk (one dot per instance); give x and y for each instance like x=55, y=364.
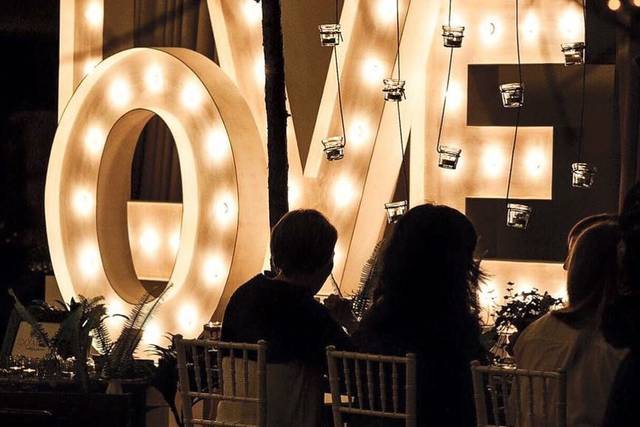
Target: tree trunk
x=276, y=110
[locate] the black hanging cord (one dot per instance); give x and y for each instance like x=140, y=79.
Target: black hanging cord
x=584, y=83
x=335, y=57
x=402, y=165
x=515, y=133
x=446, y=90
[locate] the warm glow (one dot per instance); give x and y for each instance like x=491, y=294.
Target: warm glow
x=294, y=194
x=119, y=93
x=343, y=192
x=154, y=79
x=571, y=24
x=93, y=14
x=223, y=210
x=152, y=333
x=531, y=27
x=191, y=96
x=89, y=65
x=187, y=317
x=535, y=161
x=490, y=30
x=217, y=143
x=89, y=261
x=636, y=3
x=150, y=241
x=94, y=140
x=213, y=270
x=358, y=132
x=259, y=70
x=455, y=96
x=487, y=295
x=386, y=10
x=493, y=161
x=174, y=240
x=615, y=4
x=83, y=203
x=373, y=72
x=116, y=310
x=252, y=11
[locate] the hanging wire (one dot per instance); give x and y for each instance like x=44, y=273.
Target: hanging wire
x=335, y=57
x=515, y=133
x=584, y=83
x=446, y=90
x=402, y=165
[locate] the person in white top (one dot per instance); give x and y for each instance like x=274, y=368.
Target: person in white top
x=570, y=339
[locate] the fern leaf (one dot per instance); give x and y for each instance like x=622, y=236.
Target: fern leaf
x=368, y=280
x=37, y=330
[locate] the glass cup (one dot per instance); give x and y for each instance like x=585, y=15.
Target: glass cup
x=573, y=53
x=333, y=148
x=518, y=215
x=395, y=210
x=583, y=175
x=330, y=35
x=452, y=36
x=393, y=90
x=512, y=95
x=448, y=157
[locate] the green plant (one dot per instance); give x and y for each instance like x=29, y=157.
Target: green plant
x=519, y=310
x=165, y=377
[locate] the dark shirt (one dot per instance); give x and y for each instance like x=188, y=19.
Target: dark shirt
x=444, y=386
x=295, y=325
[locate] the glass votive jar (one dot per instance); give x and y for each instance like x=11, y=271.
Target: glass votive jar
x=518, y=215
x=573, y=53
x=512, y=95
x=333, y=148
x=395, y=210
x=330, y=35
x=212, y=330
x=452, y=36
x=583, y=175
x=393, y=90
x=448, y=157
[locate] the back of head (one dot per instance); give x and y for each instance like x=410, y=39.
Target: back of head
x=302, y=242
x=592, y=274
x=429, y=261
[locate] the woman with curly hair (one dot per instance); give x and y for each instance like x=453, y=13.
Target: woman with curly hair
x=426, y=303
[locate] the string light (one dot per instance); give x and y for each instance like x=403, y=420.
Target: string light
x=535, y=160
x=615, y=4
x=252, y=11
x=93, y=14
x=152, y=333
x=386, y=10
x=212, y=271
x=83, y=203
x=531, y=27
x=569, y=23
x=359, y=132
x=174, y=241
x=493, y=160
x=89, y=261
x=94, y=140
x=149, y=241
x=223, y=210
x=217, y=143
x=343, y=192
x=154, y=79
x=89, y=65
x=191, y=96
x=187, y=316
x=490, y=30
x=119, y=93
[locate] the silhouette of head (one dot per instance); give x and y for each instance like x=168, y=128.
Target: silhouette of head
x=579, y=227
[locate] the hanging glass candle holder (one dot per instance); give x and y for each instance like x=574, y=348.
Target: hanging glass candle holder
x=333, y=148
x=330, y=35
x=448, y=157
x=393, y=90
x=518, y=216
x=583, y=175
x=512, y=95
x=573, y=53
x=452, y=36
x=395, y=210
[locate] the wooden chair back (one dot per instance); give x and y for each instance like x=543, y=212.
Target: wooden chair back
x=222, y=372
x=375, y=386
x=519, y=397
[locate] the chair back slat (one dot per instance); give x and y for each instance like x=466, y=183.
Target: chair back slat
x=228, y=379
x=518, y=397
x=372, y=403
x=383, y=386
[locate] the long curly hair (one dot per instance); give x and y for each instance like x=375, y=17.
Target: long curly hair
x=428, y=267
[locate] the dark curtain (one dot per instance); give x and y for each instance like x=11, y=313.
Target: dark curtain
x=171, y=23
x=628, y=91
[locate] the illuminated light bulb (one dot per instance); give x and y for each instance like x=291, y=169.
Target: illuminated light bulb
x=191, y=96
x=152, y=333
x=174, y=241
x=455, y=96
x=571, y=23
x=89, y=65
x=259, y=70
x=93, y=14
x=217, y=143
x=615, y=4
x=223, y=210
x=493, y=160
x=386, y=10
x=358, y=132
x=83, y=203
x=252, y=11
x=535, y=162
x=153, y=79
x=636, y=3
x=372, y=71
x=94, y=140
x=119, y=93
x=531, y=27
x=343, y=192
x=150, y=241
x=188, y=317
x=487, y=295
x=213, y=270
x=490, y=30
x=89, y=261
